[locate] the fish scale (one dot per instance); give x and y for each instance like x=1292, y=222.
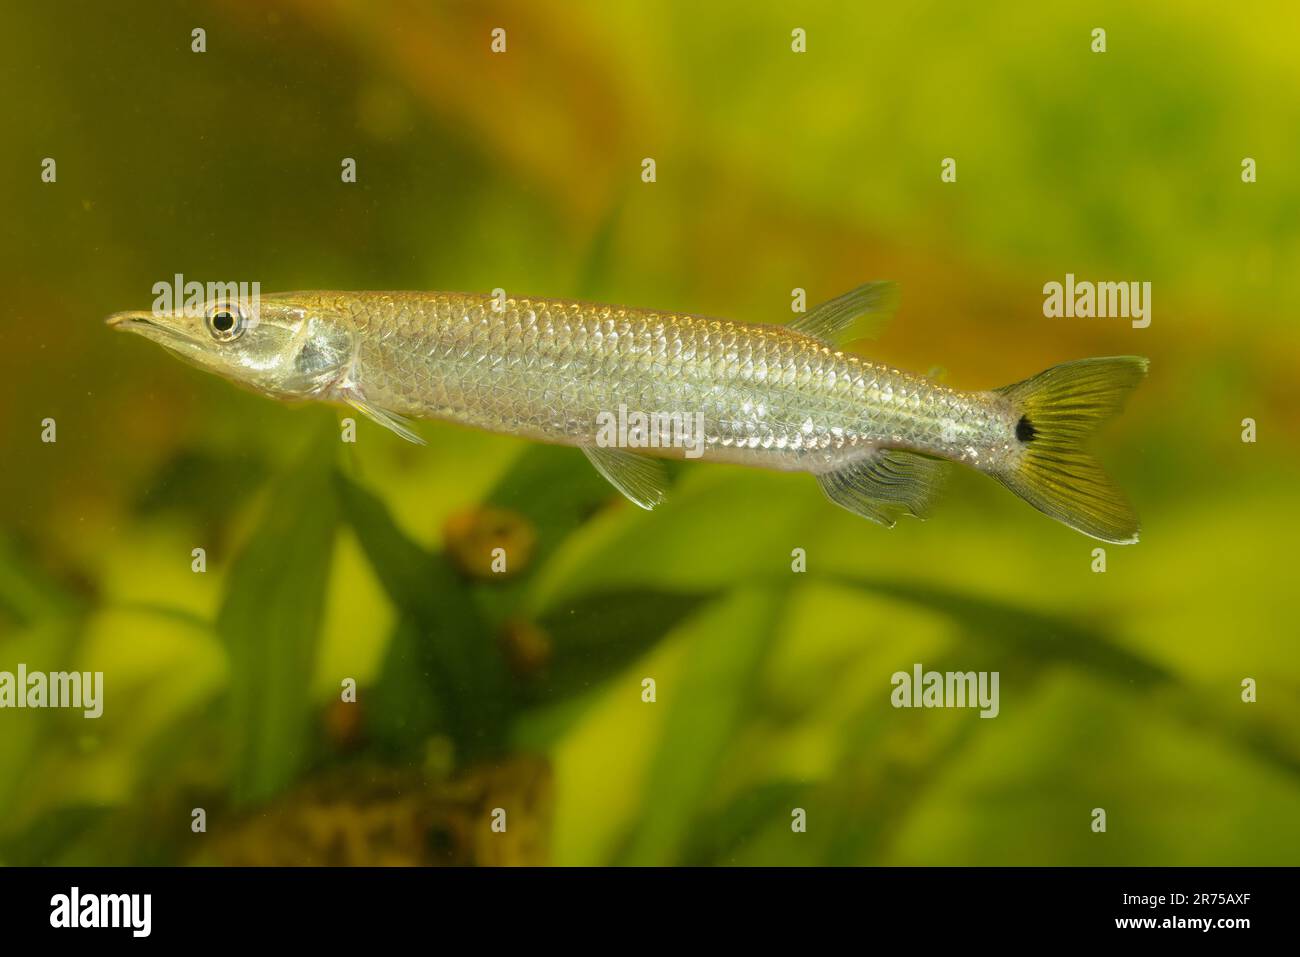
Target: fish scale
x=545, y=369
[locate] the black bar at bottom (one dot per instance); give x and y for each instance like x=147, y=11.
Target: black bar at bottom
x=235, y=905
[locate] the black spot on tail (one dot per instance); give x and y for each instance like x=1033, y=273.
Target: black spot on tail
x=1025, y=430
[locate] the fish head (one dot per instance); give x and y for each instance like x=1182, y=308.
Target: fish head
x=283, y=346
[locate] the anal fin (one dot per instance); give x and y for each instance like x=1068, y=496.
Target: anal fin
x=642, y=480
x=885, y=484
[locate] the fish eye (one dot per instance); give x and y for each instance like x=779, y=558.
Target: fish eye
x=225, y=322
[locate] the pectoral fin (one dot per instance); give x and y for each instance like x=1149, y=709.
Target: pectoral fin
x=643, y=480
x=389, y=420
x=884, y=485
x=858, y=314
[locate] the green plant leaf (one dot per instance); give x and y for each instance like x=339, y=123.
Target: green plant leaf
x=555, y=490
x=26, y=595
x=1028, y=632
x=717, y=837
x=708, y=702
x=441, y=646
x=603, y=633
x=270, y=621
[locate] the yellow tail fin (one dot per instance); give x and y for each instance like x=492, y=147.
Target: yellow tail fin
x=1059, y=409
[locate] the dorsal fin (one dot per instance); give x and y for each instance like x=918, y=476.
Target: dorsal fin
x=858, y=314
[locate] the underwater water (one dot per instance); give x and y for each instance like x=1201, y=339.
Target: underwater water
x=309, y=649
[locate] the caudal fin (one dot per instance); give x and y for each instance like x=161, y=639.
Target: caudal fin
x=1059, y=409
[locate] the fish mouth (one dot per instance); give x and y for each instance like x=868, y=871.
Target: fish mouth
x=146, y=325
x=130, y=320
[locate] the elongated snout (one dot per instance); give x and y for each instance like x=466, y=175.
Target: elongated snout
x=125, y=320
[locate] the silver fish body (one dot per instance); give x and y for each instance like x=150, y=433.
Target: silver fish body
x=548, y=369
x=778, y=397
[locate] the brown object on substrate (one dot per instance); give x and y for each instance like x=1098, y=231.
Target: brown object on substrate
x=377, y=816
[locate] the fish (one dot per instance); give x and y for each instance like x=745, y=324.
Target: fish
x=786, y=397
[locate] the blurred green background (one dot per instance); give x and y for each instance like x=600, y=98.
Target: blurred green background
x=522, y=170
